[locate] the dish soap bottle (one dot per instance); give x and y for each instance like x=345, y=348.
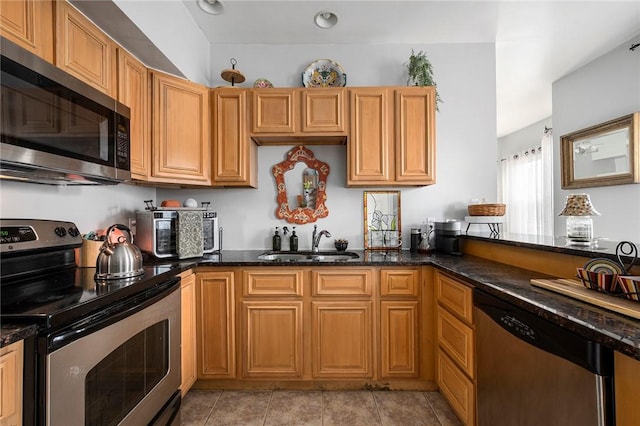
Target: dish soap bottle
x=277, y=241
x=293, y=240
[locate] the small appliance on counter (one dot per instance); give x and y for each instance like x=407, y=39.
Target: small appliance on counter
x=447, y=237
x=178, y=232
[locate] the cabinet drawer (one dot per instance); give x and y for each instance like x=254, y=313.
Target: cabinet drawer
x=272, y=282
x=342, y=282
x=456, y=297
x=456, y=388
x=456, y=339
x=399, y=282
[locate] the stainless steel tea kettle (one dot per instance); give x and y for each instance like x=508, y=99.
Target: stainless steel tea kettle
x=118, y=260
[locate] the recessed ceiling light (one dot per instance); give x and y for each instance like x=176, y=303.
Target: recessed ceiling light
x=325, y=19
x=212, y=7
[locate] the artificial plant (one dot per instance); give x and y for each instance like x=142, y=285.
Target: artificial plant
x=421, y=73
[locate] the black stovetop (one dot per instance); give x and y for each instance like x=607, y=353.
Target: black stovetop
x=55, y=299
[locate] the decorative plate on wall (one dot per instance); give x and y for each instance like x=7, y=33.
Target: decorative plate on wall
x=324, y=73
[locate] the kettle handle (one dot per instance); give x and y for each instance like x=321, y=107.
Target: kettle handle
x=121, y=227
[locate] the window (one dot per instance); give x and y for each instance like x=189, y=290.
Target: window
x=525, y=185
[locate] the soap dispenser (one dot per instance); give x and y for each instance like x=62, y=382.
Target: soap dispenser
x=293, y=240
x=277, y=241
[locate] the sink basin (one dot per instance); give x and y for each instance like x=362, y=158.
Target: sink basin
x=307, y=256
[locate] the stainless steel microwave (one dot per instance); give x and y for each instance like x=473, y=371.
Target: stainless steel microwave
x=57, y=129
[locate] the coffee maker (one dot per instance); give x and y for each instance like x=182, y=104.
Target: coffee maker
x=447, y=237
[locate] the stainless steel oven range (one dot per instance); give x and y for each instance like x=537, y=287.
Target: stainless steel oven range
x=106, y=352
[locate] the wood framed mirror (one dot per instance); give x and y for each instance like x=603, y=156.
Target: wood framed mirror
x=301, y=182
x=382, y=220
x=602, y=155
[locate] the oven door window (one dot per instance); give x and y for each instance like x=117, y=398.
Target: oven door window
x=124, y=377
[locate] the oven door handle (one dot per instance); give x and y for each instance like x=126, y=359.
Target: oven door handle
x=111, y=315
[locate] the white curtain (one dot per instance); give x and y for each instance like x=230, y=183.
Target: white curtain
x=525, y=186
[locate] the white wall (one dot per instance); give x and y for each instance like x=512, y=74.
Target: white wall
x=466, y=139
x=90, y=208
x=604, y=89
x=523, y=139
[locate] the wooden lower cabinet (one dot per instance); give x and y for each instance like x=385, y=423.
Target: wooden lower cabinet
x=314, y=328
x=455, y=356
x=216, y=325
x=11, y=370
x=272, y=339
x=399, y=335
x=188, y=331
x=627, y=389
x=342, y=335
x=457, y=388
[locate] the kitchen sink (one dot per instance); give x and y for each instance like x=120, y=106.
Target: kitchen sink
x=307, y=256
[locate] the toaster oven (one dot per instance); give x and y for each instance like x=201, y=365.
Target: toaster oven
x=157, y=232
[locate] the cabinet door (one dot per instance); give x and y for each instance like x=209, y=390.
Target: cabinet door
x=415, y=135
x=457, y=389
x=234, y=153
x=11, y=370
x=399, y=339
x=188, y=332
x=29, y=24
x=272, y=338
x=274, y=111
x=180, y=136
x=323, y=111
x=133, y=91
x=216, y=325
x=370, y=151
x=342, y=339
x=83, y=50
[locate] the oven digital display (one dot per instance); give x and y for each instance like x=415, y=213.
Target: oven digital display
x=17, y=234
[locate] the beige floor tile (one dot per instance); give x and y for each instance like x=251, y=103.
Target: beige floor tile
x=352, y=408
x=240, y=408
x=196, y=407
x=295, y=408
x=404, y=408
x=442, y=409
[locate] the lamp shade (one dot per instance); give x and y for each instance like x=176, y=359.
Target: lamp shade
x=579, y=205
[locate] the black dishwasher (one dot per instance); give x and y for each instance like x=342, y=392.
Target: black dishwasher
x=531, y=371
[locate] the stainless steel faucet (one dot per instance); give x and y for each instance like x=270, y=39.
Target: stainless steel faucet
x=315, y=238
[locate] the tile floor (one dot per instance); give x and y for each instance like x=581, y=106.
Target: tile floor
x=349, y=408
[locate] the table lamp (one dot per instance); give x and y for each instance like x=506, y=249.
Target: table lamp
x=579, y=210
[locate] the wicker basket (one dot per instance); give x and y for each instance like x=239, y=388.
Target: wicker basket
x=486, y=209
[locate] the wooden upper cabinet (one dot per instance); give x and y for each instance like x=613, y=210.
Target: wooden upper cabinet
x=392, y=140
x=29, y=24
x=299, y=115
x=323, y=110
x=370, y=151
x=133, y=91
x=415, y=135
x=180, y=131
x=83, y=50
x=234, y=153
x=274, y=111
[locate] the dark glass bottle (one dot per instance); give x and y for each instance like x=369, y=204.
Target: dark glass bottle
x=293, y=240
x=277, y=241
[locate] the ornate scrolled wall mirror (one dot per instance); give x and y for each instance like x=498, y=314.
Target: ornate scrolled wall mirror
x=301, y=182
x=382, y=227
x=601, y=155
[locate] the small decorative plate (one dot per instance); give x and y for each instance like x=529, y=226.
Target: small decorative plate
x=262, y=83
x=603, y=266
x=324, y=73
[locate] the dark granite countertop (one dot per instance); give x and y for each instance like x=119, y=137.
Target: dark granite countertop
x=10, y=333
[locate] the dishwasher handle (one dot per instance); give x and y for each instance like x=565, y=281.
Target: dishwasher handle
x=546, y=335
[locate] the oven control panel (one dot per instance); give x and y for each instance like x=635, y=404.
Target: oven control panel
x=30, y=234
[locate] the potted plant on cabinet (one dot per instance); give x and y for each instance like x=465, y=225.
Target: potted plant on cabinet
x=421, y=73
